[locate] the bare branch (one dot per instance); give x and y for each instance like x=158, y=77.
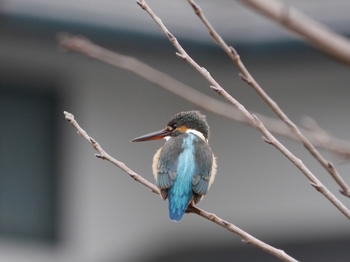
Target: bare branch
x=80, y=44
x=246, y=238
x=256, y=122
x=247, y=77
x=319, y=136
x=299, y=164
x=103, y=155
x=319, y=35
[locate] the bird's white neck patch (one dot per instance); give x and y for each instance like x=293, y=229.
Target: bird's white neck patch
x=197, y=133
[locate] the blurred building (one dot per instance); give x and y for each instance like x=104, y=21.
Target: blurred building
x=58, y=202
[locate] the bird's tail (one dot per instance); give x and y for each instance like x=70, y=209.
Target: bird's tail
x=178, y=204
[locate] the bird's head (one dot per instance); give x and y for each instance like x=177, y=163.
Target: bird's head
x=188, y=121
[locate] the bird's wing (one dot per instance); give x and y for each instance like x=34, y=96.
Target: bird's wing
x=167, y=164
x=205, y=165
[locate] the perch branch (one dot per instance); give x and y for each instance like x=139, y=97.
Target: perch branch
x=103, y=154
x=256, y=122
x=246, y=238
x=248, y=78
x=319, y=35
x=318, y=137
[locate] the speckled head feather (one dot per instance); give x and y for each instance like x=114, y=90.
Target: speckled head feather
x=191, y=119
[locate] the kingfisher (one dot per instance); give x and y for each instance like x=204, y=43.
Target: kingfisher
x=184, y=167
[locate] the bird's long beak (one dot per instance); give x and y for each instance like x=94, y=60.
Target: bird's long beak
x=153, y=136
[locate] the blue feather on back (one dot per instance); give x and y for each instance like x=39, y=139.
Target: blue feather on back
x=180, y=193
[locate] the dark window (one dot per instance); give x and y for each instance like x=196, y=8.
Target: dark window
x=28, y=180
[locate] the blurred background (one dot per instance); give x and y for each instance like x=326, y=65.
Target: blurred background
x=60, y=203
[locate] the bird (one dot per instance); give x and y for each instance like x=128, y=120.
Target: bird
x=184, y=167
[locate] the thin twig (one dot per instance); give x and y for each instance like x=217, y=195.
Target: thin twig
x=248, y=78
x=319, y=35
x=257, y=123
x=340, y=148
x=246, y=238
x=103, y=154
x=318, y=134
